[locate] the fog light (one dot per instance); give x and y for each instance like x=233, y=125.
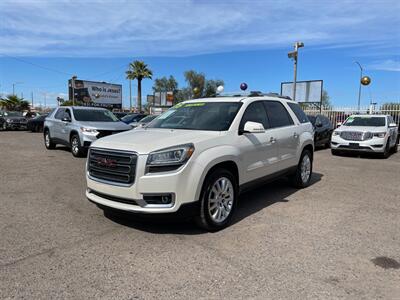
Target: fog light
x=158, y=199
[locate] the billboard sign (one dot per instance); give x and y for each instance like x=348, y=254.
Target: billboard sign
x=163, y=99
x=306, y=91
x=94, y=93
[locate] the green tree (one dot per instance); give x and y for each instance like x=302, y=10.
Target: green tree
x=210, y=89
x=326, y=100
x=138, y=70
x=13, y=102
x=196, y=83
x=165, y=84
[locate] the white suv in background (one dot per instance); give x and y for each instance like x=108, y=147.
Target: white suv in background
x=366, y=133
x=199, y=155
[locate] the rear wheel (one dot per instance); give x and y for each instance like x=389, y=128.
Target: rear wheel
x=4, y=126
x=48, y=143
x=302, y=177
x=76, y=148
x=218, y=200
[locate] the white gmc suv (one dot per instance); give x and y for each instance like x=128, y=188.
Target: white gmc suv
x=199, y=155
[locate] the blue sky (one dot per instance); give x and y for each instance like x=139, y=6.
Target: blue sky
x=42, y=43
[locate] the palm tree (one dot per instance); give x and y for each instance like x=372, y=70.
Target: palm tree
x=138, y=70
x=13, y=102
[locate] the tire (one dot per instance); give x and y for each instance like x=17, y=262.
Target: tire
x=216, y=210
x=48, y=143
x=386, y=152
x=302, y=176
x=395, y=147
x=4, y=126
x=76, y=149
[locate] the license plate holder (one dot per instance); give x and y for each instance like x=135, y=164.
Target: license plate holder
x=354, y=145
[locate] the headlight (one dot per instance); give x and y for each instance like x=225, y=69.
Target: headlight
x=172, y=158
x=90, y=131
x=379, y=134
x=336, y=133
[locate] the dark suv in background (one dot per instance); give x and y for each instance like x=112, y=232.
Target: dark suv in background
x=323, y=129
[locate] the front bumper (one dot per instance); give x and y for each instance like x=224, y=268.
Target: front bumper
x=181, y=184
x=13, y=125
x=374, y=145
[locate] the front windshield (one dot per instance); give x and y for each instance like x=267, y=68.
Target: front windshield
x=94, y=115
x=129, y=118
x=13, y=114
x=365, y=121
x=215, y=116
x=148, y=119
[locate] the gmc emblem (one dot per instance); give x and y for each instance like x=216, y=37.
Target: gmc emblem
x=106, y=162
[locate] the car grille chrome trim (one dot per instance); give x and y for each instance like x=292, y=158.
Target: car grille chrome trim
x=112, y=166
x=355, y=135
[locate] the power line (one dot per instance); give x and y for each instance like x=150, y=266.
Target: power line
x=36, y=65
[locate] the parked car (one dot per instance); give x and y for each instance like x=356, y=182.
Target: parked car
x=119, y=114
x=323, y=129
x=143, y=122
x=198, y=156
x=78, y=127
x=36, y=124
x=366, y=133
x=133, y=118
x=12, y=120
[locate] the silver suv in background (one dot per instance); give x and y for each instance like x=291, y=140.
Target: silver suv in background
x=78, y=127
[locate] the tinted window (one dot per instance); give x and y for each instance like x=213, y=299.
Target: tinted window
x=67, y=114
x=312, y=119
x=325, y=121
x=255, y=112
x=216, y=116
x=60, y=113
x=94, y=115
x=298, y=112
x=365, y=121
x=277, y=114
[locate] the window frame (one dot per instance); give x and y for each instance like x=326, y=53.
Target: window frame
x=240, y=129
x=61, y=111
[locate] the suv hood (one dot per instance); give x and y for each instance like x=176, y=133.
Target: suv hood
x=144, y=141
x=361, y=128
x=117, y=126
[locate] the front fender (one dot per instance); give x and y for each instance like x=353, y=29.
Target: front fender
x=211, y=157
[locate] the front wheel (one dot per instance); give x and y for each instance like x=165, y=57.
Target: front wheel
x=4, y=126
x=48, y=143
x=302, y=177
x=386, y=152
x=218, y=200
x=76, y=148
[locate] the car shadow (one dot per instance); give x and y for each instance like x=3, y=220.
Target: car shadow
x=365, y=155
x=249, y=203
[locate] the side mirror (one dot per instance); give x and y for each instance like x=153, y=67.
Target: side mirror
x=253, y=127
x=66, y=119
x=338, y=124
x=392, y=125
x=318, y=124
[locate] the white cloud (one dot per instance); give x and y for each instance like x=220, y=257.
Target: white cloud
x=385, y=65
x=144, y=28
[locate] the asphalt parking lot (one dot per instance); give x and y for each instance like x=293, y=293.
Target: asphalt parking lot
x=339, y=238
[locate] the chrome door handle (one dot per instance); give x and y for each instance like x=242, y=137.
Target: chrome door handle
x=272, y=139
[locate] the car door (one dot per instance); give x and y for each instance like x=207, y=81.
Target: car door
x=65, y=126
x=286, y=133
x=55, y=129
x=259, y=152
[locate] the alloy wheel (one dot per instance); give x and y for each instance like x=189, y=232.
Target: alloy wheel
x=220, y=200
x=305, y=171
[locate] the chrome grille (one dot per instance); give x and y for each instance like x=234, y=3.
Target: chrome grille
x=355, y=135
x=115, y=167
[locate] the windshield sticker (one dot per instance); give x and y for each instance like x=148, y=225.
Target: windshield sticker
x=350, y=119
x=178, y=105
x=194, y=104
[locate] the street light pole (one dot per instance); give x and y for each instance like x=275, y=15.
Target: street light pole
x=359, y=89
x=13, y=85
x=294, y=55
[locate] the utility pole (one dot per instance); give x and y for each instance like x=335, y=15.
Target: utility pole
x=32, y=99
x=294, y=55
x=359, y=88
x=73, y=89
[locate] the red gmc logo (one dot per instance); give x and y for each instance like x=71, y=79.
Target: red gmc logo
x=106, y=162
